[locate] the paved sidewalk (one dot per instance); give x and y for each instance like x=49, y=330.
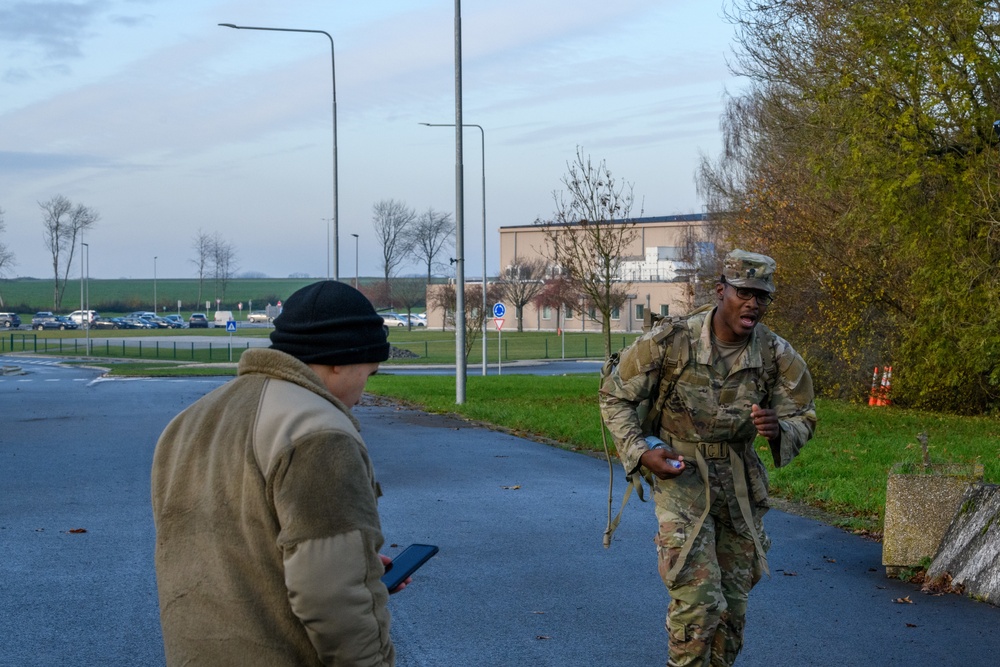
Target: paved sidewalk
x=521, y=579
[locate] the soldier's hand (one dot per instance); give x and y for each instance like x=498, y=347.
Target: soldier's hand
x=662, y=463
x=766, y=422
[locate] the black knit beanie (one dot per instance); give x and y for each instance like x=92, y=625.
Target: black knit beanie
x=330, y=323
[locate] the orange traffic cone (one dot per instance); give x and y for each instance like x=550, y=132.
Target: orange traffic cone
x=871, y=394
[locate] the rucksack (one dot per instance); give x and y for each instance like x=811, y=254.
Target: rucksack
x=675, y=359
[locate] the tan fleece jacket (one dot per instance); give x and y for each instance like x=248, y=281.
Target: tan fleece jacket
x=267, y=531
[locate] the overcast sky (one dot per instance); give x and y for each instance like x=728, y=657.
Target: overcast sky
x=167, y=124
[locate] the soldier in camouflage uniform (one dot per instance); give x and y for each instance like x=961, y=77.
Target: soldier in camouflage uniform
x=722, y=379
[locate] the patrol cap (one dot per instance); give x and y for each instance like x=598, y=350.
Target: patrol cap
x=750, y=270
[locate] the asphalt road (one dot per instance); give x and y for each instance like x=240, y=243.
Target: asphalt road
x=521, y=578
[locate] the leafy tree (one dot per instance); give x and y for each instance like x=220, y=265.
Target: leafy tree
x=445, y=299
x=520, y=283
x=62, y=225
x=861, y=156
x=432, y=232
x=559, y=294
x=590, y=234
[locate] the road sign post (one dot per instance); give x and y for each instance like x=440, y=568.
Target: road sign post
x=498, y=321
x=231, y=328
x=499, y=310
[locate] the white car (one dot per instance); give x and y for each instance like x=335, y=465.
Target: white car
x=393, y=320
x=83, y=316
x=258, y=316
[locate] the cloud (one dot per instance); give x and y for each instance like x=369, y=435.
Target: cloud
x=57, y=28
x=17, y=162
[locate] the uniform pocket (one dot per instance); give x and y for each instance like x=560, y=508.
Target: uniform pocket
x=760, y=485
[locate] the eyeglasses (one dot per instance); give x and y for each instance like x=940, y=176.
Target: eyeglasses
x=745, y=294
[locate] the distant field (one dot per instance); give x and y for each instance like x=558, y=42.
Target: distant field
x=26, y=296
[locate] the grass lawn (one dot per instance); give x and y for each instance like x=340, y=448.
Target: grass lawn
x=842, y=470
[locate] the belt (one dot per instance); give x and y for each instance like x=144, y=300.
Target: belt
x=709, y=450
x=701, y=452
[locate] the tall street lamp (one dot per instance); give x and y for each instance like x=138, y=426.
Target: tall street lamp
x=333, y=70
x=154, y=287
x=482, y=142
x=86, y=309
x=355, y=260
x=327, y=220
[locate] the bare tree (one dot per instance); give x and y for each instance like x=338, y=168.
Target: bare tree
x=6, y=255
x=224, y=265
x=202, y=246
x=520, y=283
x=409, y=293
x=62, y=224
x=432, y=233
x=590, y=235
x=392, y=220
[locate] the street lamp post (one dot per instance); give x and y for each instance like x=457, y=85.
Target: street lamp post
x=333, y=70
x=328, y=221
x=482, y=143
x=86, y=309
x=155, y=310
x=355, y=260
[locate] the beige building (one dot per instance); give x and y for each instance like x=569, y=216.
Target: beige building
x=670, y=257
x=667, y=266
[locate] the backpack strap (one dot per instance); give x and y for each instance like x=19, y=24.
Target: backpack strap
x=649, y=414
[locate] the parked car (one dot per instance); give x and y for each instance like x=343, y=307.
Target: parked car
x=175, y=321
x=83, y=316
x=9, y=320
x=198, y=321
x=61, y=323
x=42, y=316
x=157, y=321
x=135, y=323
x=393, y=320
x=221, y=317
x=415, y=321
x=106, y=323
x=258, y=316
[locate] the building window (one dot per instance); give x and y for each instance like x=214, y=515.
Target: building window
x=664, y=309
x=546, y=313
x=640, y=311
x=567, y=313
x=592, y=313
x=616, y=313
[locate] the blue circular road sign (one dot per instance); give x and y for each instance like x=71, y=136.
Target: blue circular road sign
x=499, y=310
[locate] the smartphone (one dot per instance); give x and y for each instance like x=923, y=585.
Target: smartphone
x=406, y=563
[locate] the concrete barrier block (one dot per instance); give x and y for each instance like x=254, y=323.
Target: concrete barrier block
x=970, y=550
x=920, y=502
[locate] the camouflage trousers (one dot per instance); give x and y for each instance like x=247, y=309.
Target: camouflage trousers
x=707, y=611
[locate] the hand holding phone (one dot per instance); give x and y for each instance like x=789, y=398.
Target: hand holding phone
x=406, y=563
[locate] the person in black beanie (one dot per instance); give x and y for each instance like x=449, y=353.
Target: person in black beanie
x=264, y=499
x=330, y=323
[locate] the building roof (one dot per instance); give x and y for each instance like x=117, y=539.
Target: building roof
x=686, y=217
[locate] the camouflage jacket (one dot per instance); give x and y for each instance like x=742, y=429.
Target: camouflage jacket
x=705, y=406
